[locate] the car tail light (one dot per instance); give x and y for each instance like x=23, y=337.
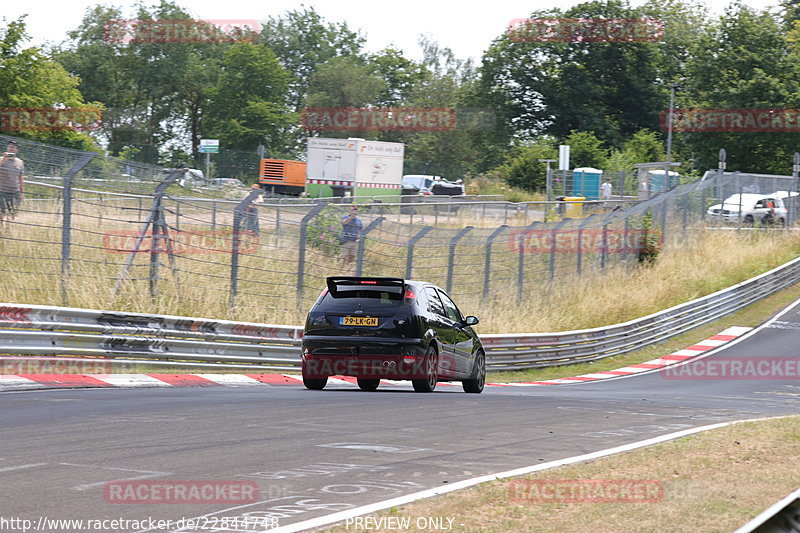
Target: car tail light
x=368, y=282
x=411, y=295
x=307, y=353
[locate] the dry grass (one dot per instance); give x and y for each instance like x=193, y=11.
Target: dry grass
x=712, y=260
x=712, y=482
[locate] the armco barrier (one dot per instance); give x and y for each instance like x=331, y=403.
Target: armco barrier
x=91, y=335
x=140, y=338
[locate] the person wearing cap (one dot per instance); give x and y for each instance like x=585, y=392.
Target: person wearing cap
x=12, y=183
x=351, y=234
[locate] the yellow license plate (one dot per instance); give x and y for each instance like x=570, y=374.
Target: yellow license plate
x=358, y=321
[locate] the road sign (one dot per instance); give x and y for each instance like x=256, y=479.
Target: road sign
x=209, y=146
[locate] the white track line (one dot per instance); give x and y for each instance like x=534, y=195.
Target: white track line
x=408, y=498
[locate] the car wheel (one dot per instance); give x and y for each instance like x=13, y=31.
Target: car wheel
x=749, y=220
x=475, y=383
x=315, y=383
x=781, y=222
x=368, y=384
x=431, y=373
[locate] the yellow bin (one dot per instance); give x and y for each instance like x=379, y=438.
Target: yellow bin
x=574, y=207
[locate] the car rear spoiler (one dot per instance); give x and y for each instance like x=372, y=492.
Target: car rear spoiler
x=334, y=282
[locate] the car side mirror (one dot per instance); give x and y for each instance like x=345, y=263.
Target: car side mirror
x=471, y=320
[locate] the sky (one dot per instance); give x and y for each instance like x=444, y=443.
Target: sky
x=467, y=29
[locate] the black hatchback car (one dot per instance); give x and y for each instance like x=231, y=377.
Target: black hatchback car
x=390, y=328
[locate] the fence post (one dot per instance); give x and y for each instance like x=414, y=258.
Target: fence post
x=362, y=243
x=239, y=213
x=155, y=245
x=452, y=256
x=301, y=255
x=579, y=258
x=152, y=221
x=488, y=261
x=553, y=237
x=604, y=254
x=521, y=260
x=213, y=215
x=278, y=223
x=66, y=225
x=410, y=247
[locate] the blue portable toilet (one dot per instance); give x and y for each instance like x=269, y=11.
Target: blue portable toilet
x=660, y=181
x=586, y=182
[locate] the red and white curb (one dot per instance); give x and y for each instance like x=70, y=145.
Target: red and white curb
x=55, y=381
x=680, y=356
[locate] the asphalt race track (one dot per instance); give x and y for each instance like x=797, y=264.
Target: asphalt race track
x=313, y=453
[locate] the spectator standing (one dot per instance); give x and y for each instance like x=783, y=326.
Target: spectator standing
x=12, y=183
x=605, y=191
x=251, y=215
x=351, y=234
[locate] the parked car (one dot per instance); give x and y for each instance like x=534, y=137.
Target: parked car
x=750, y=208
x=390, y=328
x=427, y=185
x=225, y=183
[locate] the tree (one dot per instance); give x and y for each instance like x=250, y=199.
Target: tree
x=401, y=76
x=248, y=106
x=743, y=62
x=156, y=92
x=608, y=88
x=445, y=84
x=522, y=167
x=303, y=41
x=29, y=80
x=586, y=150
x=644, y=147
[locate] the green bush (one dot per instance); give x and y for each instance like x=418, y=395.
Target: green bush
x=324, y=230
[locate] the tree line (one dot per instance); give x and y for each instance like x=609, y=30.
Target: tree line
x=607, y=99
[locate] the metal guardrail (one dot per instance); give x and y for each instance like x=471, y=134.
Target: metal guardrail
x=89, y=335
x=512, y=352
x=783, y=517
x=135, y=338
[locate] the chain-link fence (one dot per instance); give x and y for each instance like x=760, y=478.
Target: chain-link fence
x=98, y=232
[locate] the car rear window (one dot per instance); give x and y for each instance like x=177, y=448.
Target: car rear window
x=372, y=293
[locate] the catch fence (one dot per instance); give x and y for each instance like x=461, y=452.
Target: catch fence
x=98, y=232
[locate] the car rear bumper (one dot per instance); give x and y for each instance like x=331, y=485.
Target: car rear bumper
x=358, y=357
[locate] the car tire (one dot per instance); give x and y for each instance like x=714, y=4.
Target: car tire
x=431, y=372
x=315, y=383
x=749, y=220
x=475, y=384
x=368, y=384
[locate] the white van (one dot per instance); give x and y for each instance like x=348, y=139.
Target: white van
x=750, y=208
